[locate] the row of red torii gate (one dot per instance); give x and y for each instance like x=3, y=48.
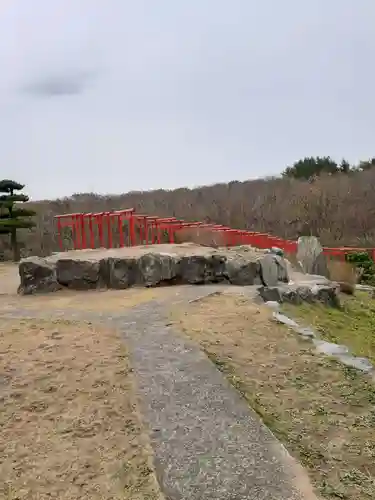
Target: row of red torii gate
x=125, y=227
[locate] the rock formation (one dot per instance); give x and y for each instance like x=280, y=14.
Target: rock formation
x=151, y=266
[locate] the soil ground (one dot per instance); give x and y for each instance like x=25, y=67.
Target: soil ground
x=322, y=411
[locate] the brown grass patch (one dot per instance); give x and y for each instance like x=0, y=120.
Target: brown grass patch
x=323, y=412
x=342, y=271
x=69, y=426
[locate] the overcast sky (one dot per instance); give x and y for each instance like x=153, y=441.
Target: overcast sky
x=120, y=95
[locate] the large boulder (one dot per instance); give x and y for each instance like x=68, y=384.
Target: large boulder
x=199, y=269
x=37, y=275
x=273, y=269
x=241, y=271
x=80, y=274
x=154, y=268
x=121, y=273
x=311, y=257
x=250, y=266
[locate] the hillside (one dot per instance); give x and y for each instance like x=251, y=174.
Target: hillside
x=340, y=209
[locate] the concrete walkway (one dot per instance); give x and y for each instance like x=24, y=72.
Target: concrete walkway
x=207, y=443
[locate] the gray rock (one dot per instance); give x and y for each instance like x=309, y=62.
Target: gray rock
x=320, y=266
x=241, y=271
x=308, y=248
x=328, y=295
x=282, y=269
x=306, y=332
x=37, y=275
x=330, y=348
x=79, y=274
x=294, y=294
x=268, y=270
x=284, y=320
x=305, y=293
x=270, y=294
x=291, y=295
x=155, y=268
x=362, y=364
x=199, y=269
x=273, y=269
x=122, y=273
x=310, y=255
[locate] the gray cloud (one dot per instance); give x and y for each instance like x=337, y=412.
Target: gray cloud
x=60, y=85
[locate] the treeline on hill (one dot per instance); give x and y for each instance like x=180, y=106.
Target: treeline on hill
x=315, y=166
x=335, y=202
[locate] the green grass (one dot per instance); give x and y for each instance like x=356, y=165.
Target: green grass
x=353, y=325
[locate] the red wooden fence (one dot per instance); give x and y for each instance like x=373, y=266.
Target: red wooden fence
x=93, y=230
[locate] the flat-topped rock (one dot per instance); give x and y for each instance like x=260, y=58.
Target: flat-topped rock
x=152, y=265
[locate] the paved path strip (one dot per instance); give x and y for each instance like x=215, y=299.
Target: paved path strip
x=208, y=444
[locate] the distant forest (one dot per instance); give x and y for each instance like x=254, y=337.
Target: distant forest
x=335, y=202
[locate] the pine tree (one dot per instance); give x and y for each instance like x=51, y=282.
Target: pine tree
x=12, y=217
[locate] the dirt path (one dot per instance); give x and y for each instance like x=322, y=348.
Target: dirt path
x=206, y=441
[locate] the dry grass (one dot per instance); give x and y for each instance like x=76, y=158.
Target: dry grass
x=343, y=272
x=69, y=427
x=322, y=411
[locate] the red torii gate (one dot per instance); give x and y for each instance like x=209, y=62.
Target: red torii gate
x=104, y=223
x=150, y=230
